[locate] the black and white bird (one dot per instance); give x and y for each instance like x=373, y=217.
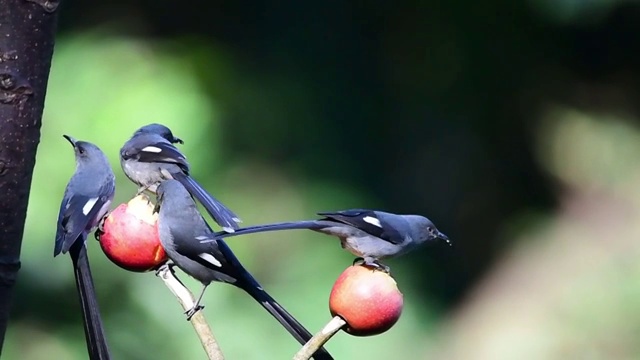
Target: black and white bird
x=150, y=157
x=86, y=200
x=368, y=234
x=182, y=231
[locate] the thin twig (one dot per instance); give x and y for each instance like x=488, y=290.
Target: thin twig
x=319, y=339
x=186, y=299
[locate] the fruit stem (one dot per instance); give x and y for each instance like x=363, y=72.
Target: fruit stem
x=186, y=299
x=319, y=339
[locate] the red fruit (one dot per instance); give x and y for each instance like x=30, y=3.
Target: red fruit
x=130, y=237
x=367, y=299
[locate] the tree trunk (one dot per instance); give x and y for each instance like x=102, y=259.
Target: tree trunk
x=27, y=29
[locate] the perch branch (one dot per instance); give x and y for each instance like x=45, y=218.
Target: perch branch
x=186, y=299
x=319, y=339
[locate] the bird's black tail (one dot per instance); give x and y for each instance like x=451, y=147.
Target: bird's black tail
x=226, y=218
x=293, y=225
x=248, y=283
x=93, y=331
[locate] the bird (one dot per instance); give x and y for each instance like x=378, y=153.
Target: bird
x=149, y=157
x=181, y=228
x=371, y=235
x=86, y=200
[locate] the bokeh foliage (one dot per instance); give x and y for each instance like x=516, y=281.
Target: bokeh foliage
x=512, y=125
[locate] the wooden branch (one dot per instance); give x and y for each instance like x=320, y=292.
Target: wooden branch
x=27, y=29
x=186, y=299
x=319, y=339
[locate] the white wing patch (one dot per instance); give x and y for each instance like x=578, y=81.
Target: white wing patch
x=371, y=220
x=210, y=259
x=152, y=149
x=205, y=239
x=89, y=205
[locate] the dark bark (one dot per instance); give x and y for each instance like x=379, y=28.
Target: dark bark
x=27, y=31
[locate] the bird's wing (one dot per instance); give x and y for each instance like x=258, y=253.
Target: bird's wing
x=367, y=221
x=157, y=152
x=213, y=254
x=76, y=213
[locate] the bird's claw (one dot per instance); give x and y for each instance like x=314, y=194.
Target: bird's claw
x=161, y=269
x=372, y=263
x=193, y=311
x=141, y=190
x=100, y=230
x=167, y=265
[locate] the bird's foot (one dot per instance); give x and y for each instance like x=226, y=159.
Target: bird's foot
x=167, y=265
x=372, y=263
x=100, y=230
x=193, y=311
x=141, y=190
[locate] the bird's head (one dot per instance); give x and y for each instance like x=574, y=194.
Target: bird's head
x=159, y=129
x=85, y=151
x=170, y=188
x=424, y=230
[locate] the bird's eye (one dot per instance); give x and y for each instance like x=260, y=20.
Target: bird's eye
x=81, y=150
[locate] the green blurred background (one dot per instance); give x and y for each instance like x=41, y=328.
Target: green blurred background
x=513, y=125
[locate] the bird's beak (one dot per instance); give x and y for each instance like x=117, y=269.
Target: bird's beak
x=71, y=140
x=177, y=140
x=444, y=237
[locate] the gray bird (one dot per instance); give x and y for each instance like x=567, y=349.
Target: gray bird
x=86, y=200
x=150, y=157
x=368, y=234
x=182, y=228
